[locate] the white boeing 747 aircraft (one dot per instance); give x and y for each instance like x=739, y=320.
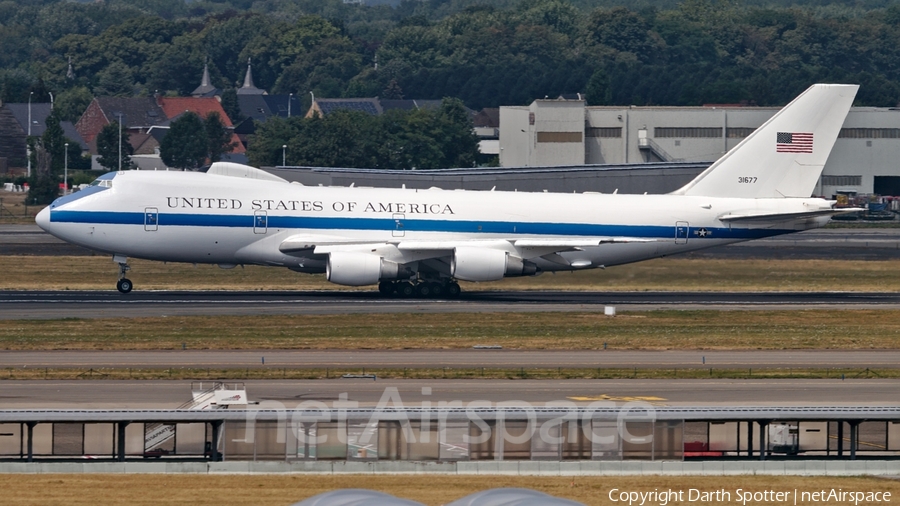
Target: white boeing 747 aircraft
x=419, y=242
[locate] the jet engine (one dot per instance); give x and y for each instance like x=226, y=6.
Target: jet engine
x=484, y=264
x=358, y=269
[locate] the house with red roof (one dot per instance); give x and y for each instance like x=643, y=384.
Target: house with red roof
x=147, y=119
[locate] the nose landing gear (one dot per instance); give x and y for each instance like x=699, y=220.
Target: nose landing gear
x=124, y=284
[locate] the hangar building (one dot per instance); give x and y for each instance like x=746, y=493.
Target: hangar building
x=570, y=133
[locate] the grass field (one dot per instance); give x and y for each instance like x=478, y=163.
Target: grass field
x=676, y=273
x=262, y=372
x=670, y=329
x=656, y=330
x=14, y=211
x=22, y=490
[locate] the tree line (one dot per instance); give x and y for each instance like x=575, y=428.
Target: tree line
x=487, y=53
x=419, y=139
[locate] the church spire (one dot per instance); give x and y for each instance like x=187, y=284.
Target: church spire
x=206, y=89
x=248, y=78
x=204, y=81
x=249, y=88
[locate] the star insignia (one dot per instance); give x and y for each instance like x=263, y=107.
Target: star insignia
x=703, y=232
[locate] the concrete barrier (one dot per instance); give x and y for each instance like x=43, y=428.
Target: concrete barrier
x=483, y=467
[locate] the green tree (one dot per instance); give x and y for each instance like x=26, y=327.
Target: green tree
x=77, y=160
x=392, y=91
x=108, y=143
x=185, y=145
x=71, y=103
x=230, y=104
x=43, y=186
x=264, y=147
x=597, y=90
x=454, y=134
x=53, y=141
x=218, y=137
x=398, y=139
x=116, y=80
x=14, y=85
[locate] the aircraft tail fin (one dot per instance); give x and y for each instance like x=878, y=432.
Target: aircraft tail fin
x=784, y=157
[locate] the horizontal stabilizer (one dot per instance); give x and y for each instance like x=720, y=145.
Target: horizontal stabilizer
x=767, y=217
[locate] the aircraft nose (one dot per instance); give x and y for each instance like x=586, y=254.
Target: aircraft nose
x=43, y=219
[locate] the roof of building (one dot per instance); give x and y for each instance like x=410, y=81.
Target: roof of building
x=262, y=107
x=367, y=105
x=72, y=134
x=135, y=111
x=202, y=106
x=487, y=117
x=39, y=113
x=409, y=105
x=138, y=139
x=373, y=105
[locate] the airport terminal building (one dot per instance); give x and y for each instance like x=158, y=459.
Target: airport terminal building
x=570, y=133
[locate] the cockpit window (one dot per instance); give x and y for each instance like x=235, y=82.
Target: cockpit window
x=104, y=181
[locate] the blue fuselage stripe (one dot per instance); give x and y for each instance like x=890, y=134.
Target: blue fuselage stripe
x=408, y=225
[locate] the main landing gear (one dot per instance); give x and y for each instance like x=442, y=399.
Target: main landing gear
x=124, y=284
x=421, y=289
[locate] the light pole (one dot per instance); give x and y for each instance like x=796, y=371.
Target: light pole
x=66, y=173
x=283, y=151
x=290, y=97
x=120, y=142
x=27, y=141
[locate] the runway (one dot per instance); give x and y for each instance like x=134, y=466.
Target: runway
x=461, y=359
x=100, y=394
x=858, y=244
x=110, y=304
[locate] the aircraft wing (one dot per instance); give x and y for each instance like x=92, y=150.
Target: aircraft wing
x=556, y=244
x=323, y=244
x=306, y=242
x=576, y=243
x=771, y=217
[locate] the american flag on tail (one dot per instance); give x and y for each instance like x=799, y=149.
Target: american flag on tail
x=794, y=142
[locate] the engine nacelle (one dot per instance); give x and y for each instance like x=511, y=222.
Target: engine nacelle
x=358, y=269
x=485, y=264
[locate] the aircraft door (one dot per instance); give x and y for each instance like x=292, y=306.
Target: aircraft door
x=398, y=225
x=681, y=232
x=260, y=222
x=151, y=219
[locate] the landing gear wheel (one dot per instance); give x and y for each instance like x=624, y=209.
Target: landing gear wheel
x=124, y=285
x=405, y=289
x=452, y=289
x=437, y=289
x=386, y=287
x=423, y=290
